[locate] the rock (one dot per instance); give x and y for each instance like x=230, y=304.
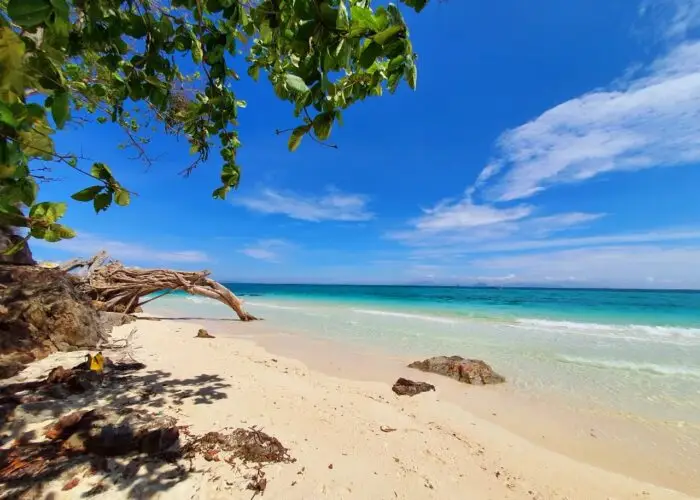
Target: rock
x=45, y=313
x=203, y=334
x=405, y=387
x=469, y=371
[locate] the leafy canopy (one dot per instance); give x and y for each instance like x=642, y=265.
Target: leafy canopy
x=125, y=62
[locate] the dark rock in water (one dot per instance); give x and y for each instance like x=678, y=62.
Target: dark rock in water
x=42, y=312
x=203, y=334
x=405, y=387
x=469, y=371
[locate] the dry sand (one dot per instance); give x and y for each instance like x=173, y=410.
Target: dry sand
x=333, y=428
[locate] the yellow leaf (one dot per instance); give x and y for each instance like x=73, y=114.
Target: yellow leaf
x=96, y=362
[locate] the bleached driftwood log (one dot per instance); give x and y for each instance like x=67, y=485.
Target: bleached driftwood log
x=118, y=288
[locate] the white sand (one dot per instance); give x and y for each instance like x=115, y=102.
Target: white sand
x=332, y=428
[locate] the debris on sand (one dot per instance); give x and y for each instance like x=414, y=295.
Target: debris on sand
x=248, y=445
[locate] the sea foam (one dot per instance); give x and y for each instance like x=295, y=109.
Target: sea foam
x=421, y=317
x=638, y=333
x=617, y=364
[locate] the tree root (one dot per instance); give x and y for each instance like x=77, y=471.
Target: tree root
x=117, y=288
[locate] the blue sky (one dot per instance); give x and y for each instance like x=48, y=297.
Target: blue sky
x=548, y=142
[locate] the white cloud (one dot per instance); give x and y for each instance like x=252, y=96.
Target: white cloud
x=268, y=250
x=652, y=121
x=332, y=206
x=447, y=216
x=87, y=245
x=464, y=225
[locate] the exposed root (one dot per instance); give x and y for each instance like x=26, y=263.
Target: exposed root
x=117, y=288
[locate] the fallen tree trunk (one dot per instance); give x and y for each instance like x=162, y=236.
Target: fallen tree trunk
x=117, y=288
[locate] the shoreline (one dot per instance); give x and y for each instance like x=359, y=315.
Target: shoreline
x=647, y=451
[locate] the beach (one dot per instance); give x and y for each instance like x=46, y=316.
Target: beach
x=351, y=437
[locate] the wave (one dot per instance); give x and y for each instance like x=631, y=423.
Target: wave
x=199, y=300
x=640, y=333
x=377, y=312
x=272, y=306
x=615, y=364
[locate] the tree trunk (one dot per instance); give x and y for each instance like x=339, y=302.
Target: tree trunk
x=116, y=288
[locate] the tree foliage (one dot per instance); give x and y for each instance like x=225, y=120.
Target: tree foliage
x=131, y=61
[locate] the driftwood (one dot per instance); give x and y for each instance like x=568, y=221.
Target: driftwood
x=117, y=288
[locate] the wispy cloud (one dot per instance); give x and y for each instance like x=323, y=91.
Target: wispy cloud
x=465, y=225
x=267, y=250
x=652, y=121
x=607, y=265
x=86, y=245
x=332, y=206
x=676, y=18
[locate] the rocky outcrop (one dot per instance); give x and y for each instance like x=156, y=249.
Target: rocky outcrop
x=42, y=312
x=469, y=371
x=405, y=387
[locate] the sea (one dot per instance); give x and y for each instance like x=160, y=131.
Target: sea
x=633, y=352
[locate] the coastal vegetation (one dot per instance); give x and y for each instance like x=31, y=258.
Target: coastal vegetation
x=175, y=63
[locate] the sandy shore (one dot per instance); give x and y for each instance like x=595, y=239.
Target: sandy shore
x=333, y=428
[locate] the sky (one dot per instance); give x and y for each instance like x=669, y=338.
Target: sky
x=547, y=143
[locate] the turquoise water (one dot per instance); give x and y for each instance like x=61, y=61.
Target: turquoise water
x=677, y=308
x=628, y=351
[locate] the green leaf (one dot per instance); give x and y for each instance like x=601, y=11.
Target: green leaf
x=411, y=75
x=6, y=115
x=297, y=134
x=60, y=109
x=122, y=197
x=197, y=54
x=12, y=59
x=29, y=13
x=61, y=231
x=221, y=192
x=370, y=54
x=387, y=35
x=362, y=18
x=87, y=194
x=37, y=142
x=101, y=171
x=417, y=5
x=295, y=82
x=342, y=22
x=254, y=72
x=102, y=201
x=323, y=124
x=230, y=175
x=61, y=7
x=48, y=211
x=27, y=190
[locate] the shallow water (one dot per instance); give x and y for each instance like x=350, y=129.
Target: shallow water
x=630, y=352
